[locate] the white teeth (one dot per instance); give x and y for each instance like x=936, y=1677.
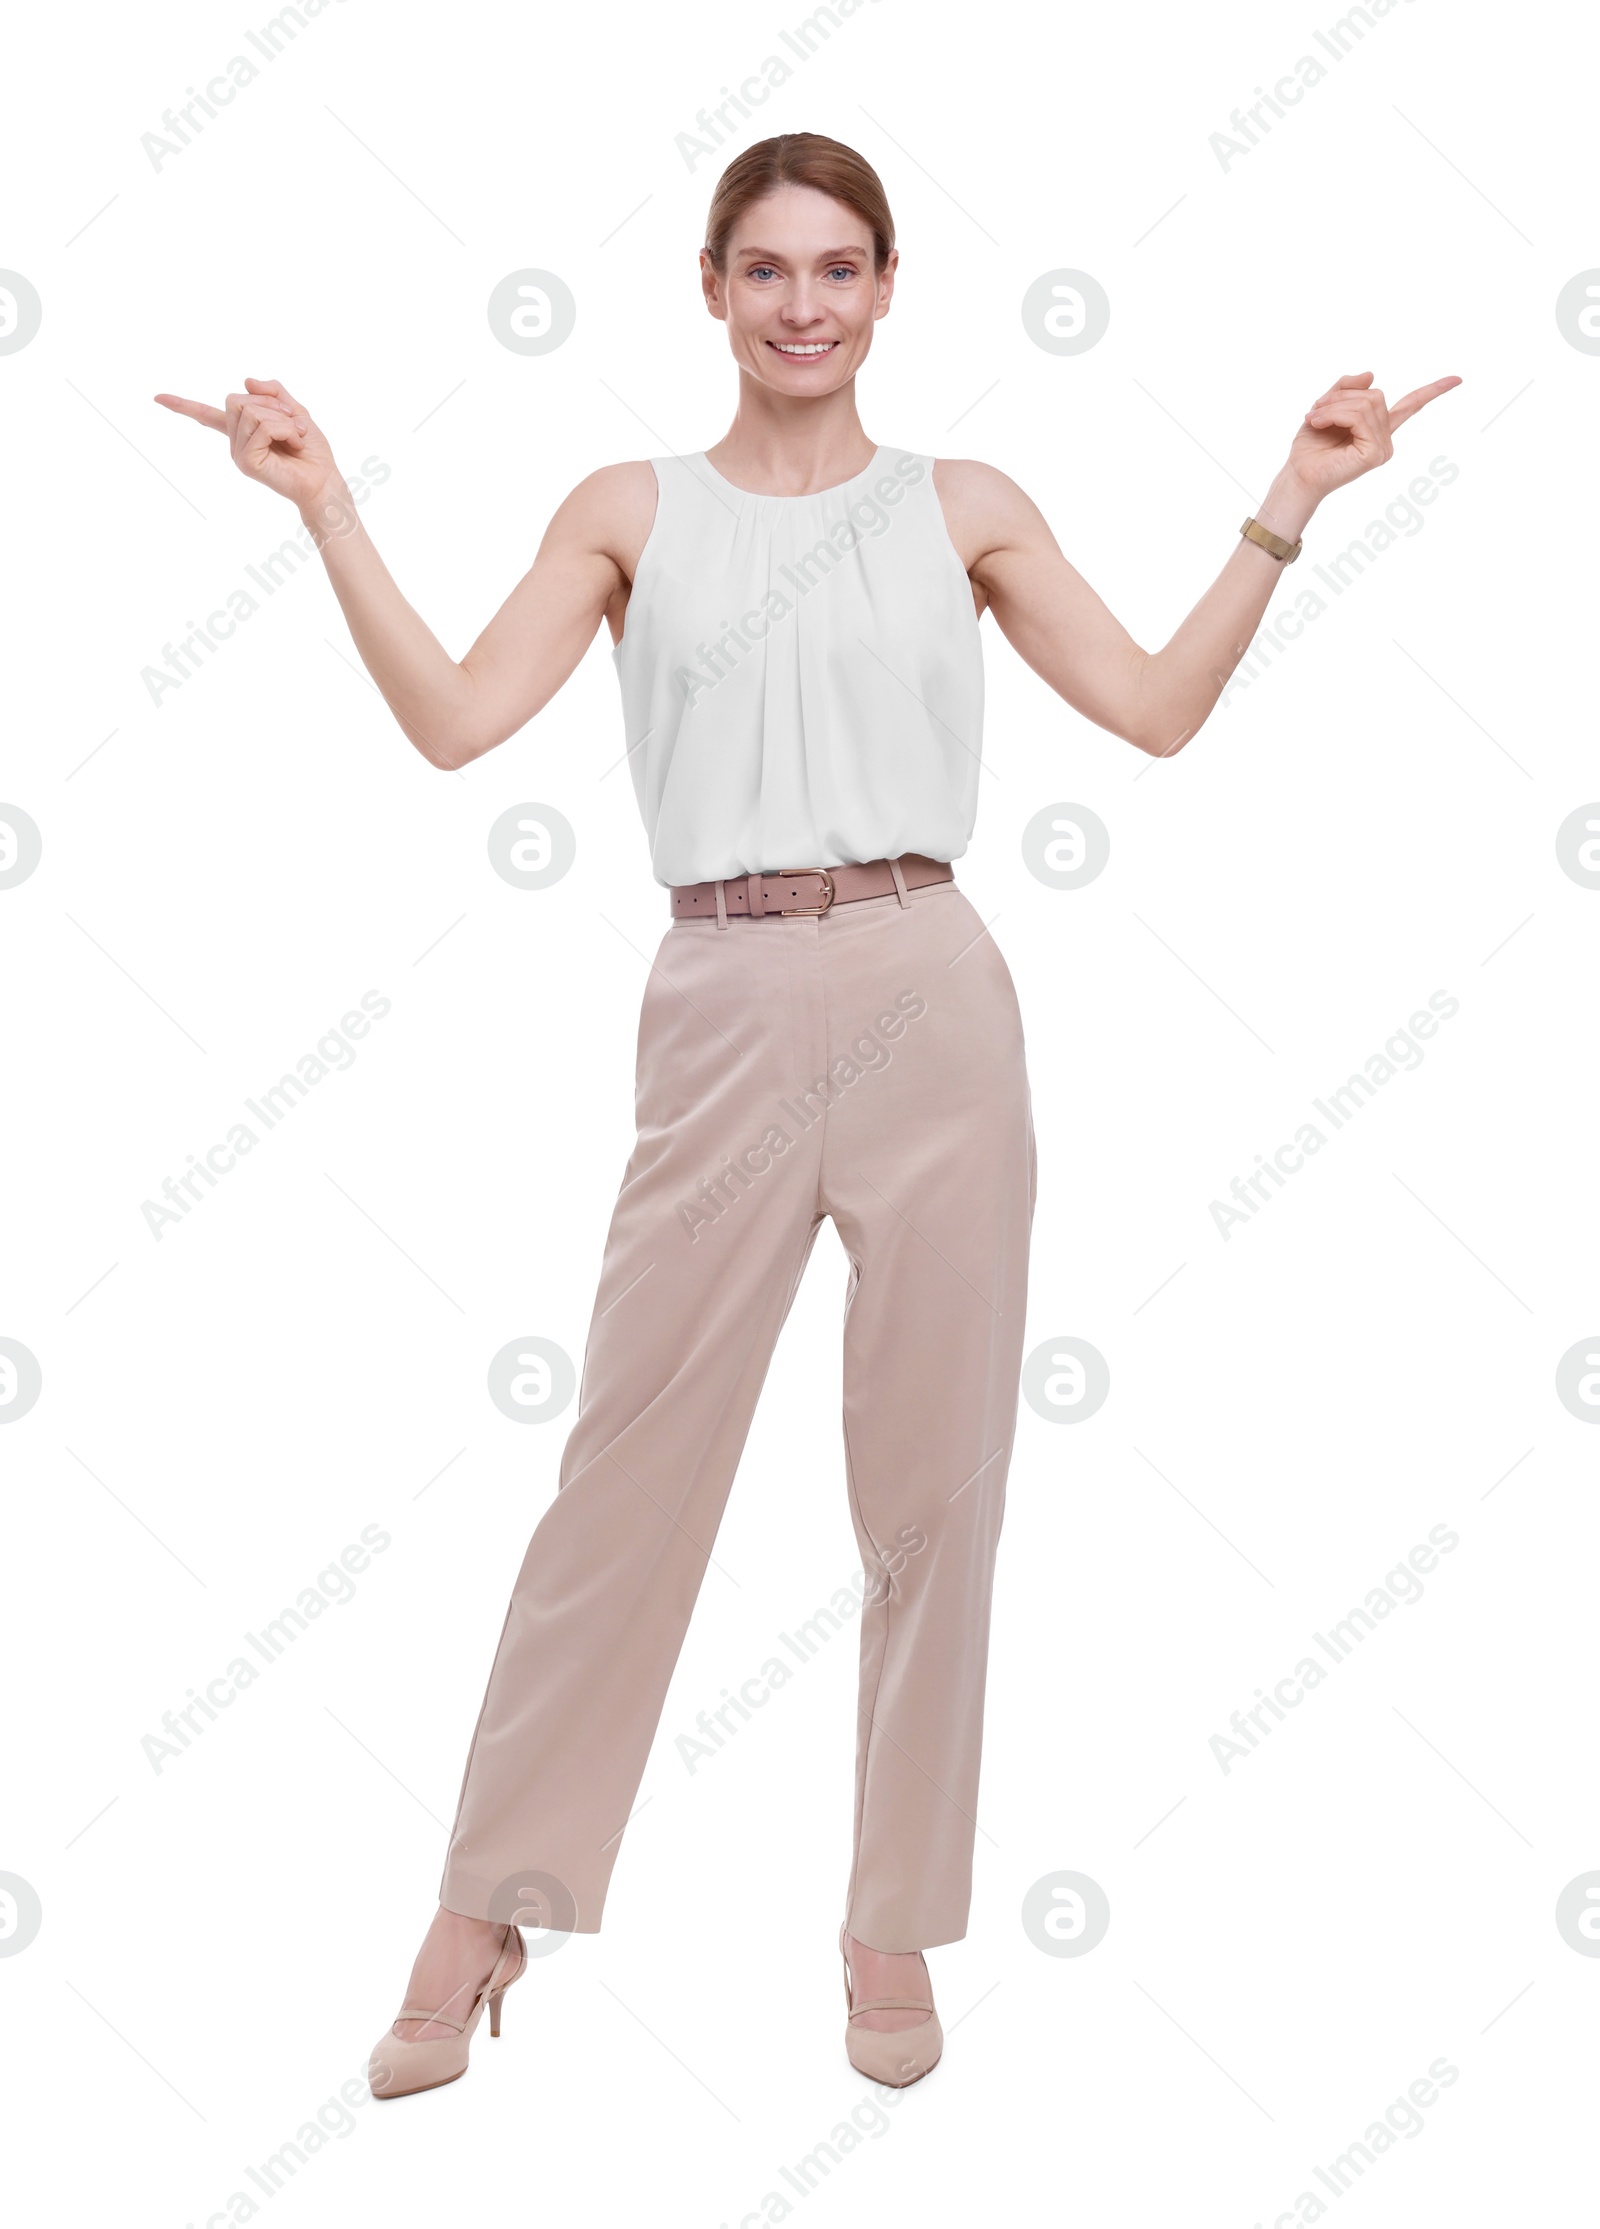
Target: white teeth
x=802, y=348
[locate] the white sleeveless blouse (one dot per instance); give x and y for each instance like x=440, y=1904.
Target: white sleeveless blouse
x=802, y=679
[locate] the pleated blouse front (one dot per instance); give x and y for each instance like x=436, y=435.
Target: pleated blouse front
x=801, y=675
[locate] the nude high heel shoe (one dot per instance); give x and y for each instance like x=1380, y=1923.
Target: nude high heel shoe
x=402, y=2065
x=896, y=2057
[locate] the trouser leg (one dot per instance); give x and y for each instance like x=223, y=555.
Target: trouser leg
x=929, y=1173
x=919, y=1142
x=711, y=1232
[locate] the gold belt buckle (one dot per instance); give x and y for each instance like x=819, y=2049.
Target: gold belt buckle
x=785, y=912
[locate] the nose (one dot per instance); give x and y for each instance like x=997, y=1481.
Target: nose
x=802, y=306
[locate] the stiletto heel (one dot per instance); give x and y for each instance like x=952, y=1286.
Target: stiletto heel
x=896, y=2057
x=402, y=2065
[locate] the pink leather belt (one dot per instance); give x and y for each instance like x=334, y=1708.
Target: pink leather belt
x=789, y=891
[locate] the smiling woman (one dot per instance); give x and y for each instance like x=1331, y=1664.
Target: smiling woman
x=795, y=617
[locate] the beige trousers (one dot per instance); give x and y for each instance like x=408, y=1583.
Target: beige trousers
x=866, y=1065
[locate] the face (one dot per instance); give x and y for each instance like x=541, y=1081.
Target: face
x=799, y=295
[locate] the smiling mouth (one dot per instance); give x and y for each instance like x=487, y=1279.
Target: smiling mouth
x=803, y=352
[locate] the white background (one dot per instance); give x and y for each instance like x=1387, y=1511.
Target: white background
x=1291, y=1409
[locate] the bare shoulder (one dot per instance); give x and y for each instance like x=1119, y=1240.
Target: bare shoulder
x=984, y=508
x=610, y=511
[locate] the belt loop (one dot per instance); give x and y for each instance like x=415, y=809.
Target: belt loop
x=722, y=908
x=755, y=896
x=899, y=881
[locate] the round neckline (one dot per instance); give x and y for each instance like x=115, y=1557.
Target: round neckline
x=757, y=495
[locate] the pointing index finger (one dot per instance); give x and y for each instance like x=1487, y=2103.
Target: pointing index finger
x=1409, y=405
x=202, y=412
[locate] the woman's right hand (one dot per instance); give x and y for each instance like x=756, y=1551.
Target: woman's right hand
x=273, y=439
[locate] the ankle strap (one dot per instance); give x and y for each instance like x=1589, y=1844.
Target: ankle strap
x=496, y=1982
x=891, y=2004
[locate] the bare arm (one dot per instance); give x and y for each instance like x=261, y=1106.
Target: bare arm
x=1155, y=700
x=453, y=710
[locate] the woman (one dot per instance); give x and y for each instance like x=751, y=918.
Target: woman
x=826, y=1031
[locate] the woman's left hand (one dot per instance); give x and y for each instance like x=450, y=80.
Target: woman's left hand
x=1349, y=430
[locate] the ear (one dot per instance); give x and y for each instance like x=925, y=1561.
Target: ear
x=711, y=288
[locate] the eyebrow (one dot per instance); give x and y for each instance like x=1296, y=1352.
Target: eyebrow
x=832, y=255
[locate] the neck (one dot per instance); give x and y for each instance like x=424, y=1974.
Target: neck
x=781, y=445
